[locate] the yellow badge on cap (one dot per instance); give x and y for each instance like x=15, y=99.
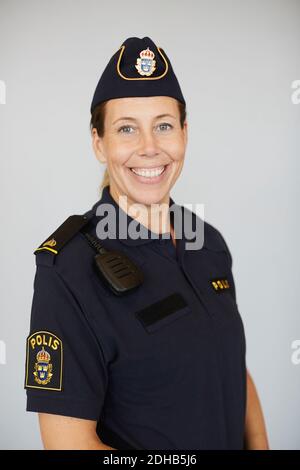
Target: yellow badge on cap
x=145, y=64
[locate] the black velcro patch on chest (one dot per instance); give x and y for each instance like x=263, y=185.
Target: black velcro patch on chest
x=161, y=309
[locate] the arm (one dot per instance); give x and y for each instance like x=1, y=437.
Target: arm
x=63, y=432
x=255, y=431
x=68, y=415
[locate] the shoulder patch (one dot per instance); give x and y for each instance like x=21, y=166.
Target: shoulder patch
x=63, y=234
x=44, y=361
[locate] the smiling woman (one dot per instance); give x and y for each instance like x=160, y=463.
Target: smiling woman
x=97, y=123
x=142, y=141
x=136, y=340
x=140, y=145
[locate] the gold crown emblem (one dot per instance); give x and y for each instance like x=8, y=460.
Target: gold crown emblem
x=51, y=242
x=147, y=54
x=145, y=64
x=43, y=356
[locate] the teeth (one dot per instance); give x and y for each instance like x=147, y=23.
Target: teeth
x=148, y=173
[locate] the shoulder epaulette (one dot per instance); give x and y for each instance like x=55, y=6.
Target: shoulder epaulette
x=63, y=234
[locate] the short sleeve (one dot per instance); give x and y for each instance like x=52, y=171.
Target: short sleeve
x=65, y=371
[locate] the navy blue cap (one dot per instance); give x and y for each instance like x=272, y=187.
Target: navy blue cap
x=138, y=68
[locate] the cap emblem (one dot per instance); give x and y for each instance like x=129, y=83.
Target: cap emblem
x=145, y=64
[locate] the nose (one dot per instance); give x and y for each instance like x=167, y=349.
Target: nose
x=148, y=145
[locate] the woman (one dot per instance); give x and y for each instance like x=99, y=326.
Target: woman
x=154, y=360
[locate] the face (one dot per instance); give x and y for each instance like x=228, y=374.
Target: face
x=143, y=146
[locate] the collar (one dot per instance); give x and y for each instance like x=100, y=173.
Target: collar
x=213, y=239
x=145, y=235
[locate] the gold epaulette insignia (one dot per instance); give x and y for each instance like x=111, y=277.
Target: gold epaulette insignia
x=63, y=234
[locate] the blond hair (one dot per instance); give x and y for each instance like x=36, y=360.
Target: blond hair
x=105, y=181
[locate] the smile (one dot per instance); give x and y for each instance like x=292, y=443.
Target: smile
x=149, y=172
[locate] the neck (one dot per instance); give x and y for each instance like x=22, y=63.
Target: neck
x=155, y=217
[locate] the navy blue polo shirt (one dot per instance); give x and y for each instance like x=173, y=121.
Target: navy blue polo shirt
x=162, y=367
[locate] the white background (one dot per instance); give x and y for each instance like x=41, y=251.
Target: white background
x=235, y=62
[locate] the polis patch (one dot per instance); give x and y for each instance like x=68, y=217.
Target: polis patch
x=44, y=361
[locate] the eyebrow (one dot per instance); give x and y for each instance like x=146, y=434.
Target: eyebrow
x=128, y=118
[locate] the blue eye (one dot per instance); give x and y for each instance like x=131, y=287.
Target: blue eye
x=125, y=127
x=166, y=124
x=122, y=129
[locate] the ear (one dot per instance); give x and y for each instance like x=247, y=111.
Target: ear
x=185, y=131
x=97, y=143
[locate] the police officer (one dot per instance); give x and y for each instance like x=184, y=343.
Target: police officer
x=136, y=341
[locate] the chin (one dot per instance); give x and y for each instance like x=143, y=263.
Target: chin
x=153, y=196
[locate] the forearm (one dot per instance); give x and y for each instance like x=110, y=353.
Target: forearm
x=82, y=444
x=96, y=444
x=68, y=433
x=255, y=430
